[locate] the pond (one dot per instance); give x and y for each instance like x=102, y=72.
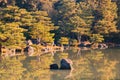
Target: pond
x=88, y=65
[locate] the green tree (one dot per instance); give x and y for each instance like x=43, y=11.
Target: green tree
x=96, y=38
x=30, y=5
x=42, y=33
x=108, y=12
x=65, y=9
x=14, y=33
x=10, y=27
x=74, y=18
x=15, y=14
x=118, y=13
x=42, y=27
x=82, y=20
x=48, y=6
x=42, y=16
x=64, y=41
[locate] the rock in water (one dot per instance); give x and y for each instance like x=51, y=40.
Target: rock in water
x=54, y=66
x=66, y=64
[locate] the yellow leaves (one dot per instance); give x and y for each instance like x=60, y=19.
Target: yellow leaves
x=11, y=68
x=64, y=40
x=23, y=11
x=108, y=67
x=105, y=27
x=7, y=16
x=41, y=31
x=14, y=33
x=63, y=55
x=95, y=64
x=3, y=36
x=96, y=38
x=13, y=7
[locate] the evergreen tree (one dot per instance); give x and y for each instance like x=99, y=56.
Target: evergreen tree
x=14, y=33
x=42, y=33
x=20, y=16
x=118, y=13
x=48, y=6
x=65, y=9
x=44, y=24
x=82, y=20
x=30, y=5
x=107, y=16
x=42, y=16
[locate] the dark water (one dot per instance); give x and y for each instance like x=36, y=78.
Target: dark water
x=88, y=65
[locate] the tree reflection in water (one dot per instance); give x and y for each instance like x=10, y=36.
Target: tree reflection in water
x=95, y=65
x=11, y=69
x=88, y=65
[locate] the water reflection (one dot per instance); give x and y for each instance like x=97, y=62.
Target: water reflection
x=88, y=65
x=11, y=68
x=95, y=66
x=61, y=75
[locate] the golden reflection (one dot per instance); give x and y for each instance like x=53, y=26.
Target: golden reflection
x=95, y=66
x=89, y=65
x=11, y=69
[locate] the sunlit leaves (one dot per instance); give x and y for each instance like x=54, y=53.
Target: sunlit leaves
x=96, y=38
x=14, y=32
x=42, y=32
x=64, y=41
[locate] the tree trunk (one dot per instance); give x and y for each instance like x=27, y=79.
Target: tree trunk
x=1, y=40
x=38, y=40
x=79, y=38
x=0, y=49
x=14, y=51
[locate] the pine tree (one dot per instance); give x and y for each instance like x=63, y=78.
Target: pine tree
x=48, y=6
x=42, y=33
x=14, y=33
x=44, y=24
x=108, y=12
x=82, y=20
x=65, y=9
x=11, y=27
x=118, y=13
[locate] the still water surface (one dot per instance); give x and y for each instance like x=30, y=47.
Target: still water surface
x=88, y=65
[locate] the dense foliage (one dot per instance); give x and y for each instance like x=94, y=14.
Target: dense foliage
x=49, y=21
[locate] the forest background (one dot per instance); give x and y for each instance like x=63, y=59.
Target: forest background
x=59, y=22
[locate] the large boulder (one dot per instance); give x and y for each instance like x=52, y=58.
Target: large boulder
x=66, y=64
x=54, y=66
